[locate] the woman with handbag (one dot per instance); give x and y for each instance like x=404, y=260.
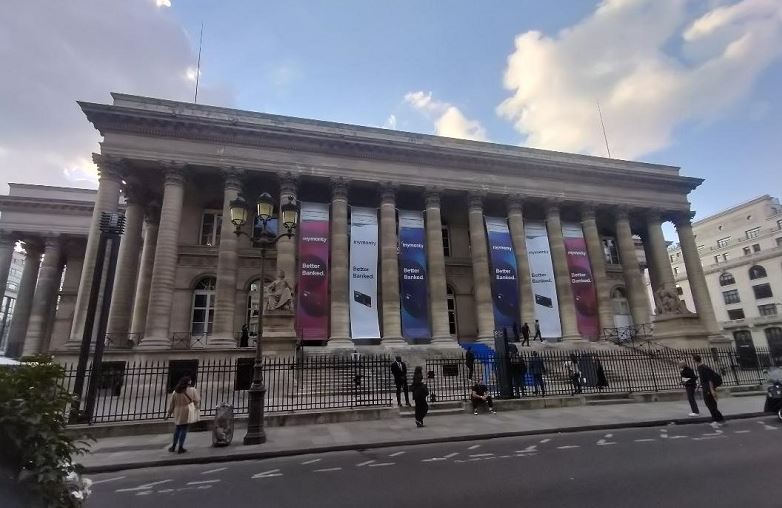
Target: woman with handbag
x=183, y=405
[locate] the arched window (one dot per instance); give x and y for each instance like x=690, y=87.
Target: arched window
x=203, y=312
x=757, y=272
x=726, y=279
x=451, y=299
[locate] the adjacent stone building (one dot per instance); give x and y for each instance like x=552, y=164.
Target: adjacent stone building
x=429, y=241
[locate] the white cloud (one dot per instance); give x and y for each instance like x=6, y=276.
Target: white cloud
x=163, y=3
x=625, y=56
x=448, y=120
x=63, y=52
x=390, y=122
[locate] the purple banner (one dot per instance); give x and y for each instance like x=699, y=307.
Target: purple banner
x=581, y=281
x=312, y=309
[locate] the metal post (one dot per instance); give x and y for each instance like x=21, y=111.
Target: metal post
x=257, y=392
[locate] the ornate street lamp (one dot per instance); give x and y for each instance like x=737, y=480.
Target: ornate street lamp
x=264, y=239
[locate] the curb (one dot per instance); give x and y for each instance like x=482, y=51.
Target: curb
x=255, y=455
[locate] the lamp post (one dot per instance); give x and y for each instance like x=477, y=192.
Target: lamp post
x=264, y=238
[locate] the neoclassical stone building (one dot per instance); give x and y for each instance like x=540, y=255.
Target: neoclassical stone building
x=403, y=239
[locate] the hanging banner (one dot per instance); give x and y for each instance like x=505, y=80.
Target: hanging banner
x=581, y=281
x=312, y=309
x=505, y=289
x=363, y=273
x=544, y=290
x=412, y=276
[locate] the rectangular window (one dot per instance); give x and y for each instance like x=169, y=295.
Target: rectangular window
x=723, y=242
x=755, y=247
x=671, y=256
x=676, y=270
x=716, y=259
x=211, y=223
x=679, y=291
x=700, y=247
x=762, y=291
x=747, y=252
x=769, y=309
x=610, y=251
x=752, y=233
x=736, y=314
x=731, y=296
x=446, y=241
x=725, y=257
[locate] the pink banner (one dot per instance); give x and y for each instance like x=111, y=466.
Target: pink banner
x=581, y=281
x=312, y=309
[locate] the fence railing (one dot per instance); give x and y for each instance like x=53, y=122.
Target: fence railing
x=138, y=391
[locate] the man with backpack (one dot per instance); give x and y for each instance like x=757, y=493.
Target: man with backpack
x=710, y=381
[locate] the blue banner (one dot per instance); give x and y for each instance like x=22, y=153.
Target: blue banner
x=412, y=276
x=505, y=289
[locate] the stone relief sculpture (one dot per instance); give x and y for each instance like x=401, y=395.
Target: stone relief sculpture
x=668, y=302
x=278, y=295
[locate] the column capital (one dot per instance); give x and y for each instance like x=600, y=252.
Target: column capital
x=339, y=188
x=109, y=167
x=152, y=214
x=683, y=218
x=514, y=203
x=621, y=212
x=232, y=178
x=432, y=196
x=288, y=183
x=388, y=192
x=74, y=248
x=552, y=205
x=7, y=239
x=33, y=247
x=134, y=192
x=475, y=200
x=52, y=241
x=588, y=212
x=174, y=172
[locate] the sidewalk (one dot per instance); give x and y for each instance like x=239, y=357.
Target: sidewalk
x=118, y=453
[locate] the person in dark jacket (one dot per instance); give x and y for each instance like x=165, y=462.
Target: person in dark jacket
x=707, y=377
x=602, y=381
x=420, y=392
x=690, y=383
x=479, y=396
x=518, y=369
x=537, y=368
x=469, y=360
x=525, y=334
x=537, y=331
x=244, y=338
x=573, y=372
x=399, y=370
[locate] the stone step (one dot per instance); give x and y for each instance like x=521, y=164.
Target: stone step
x=433, y=412
x=608, y=402
x=456, y=404
x=747, y=393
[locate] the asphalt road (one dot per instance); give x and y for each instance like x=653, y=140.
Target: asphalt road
x=690, y=465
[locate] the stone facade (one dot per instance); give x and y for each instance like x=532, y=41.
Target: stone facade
x=184, y=280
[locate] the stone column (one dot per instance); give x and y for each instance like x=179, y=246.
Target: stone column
x=631, y=268
x=161, y=293
x=596, y=257
x=567, y=306
x=7, y=244
x=127, y=266
x=46, y=288
x=63, y=322
x=481, y=278
x=516, y=224
x=286, y=247
x=692, y=263
x=389, y=263
x=659, y=260
x=339, y=269
x=107, y=200
x=144, y=279
x=24, y=300
x=438, y=290
x=227, y=265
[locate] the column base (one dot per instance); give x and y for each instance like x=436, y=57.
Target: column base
x=680, y=331
x=444, y=341
x=573, y=338
x=340, y=344
x=222, y=341
x=154, y=343
x=394, y=341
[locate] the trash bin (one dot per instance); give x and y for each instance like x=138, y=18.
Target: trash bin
x=223, y=429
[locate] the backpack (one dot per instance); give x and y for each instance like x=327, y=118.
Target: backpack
x=716, y=379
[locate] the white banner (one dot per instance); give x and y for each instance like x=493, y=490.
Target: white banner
x=544, y=290
x=363, y=273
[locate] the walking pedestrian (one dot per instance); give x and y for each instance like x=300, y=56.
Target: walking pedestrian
x=420, y=392
x=518, y=369
x=537, y=331
x=183, y=405
x=602, y=381
x=469, y=360
x=710, y=381
x=537, y=368
x=574, y=374
x=690, y=383
x=399, y=370
x=525, y=334
x=480, y=396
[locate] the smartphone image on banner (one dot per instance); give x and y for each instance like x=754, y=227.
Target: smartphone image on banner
x=362, y=298
x=545, y=301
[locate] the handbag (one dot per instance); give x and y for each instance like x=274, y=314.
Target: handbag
x=193, y=413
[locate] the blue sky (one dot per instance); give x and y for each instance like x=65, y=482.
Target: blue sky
x=692, y=83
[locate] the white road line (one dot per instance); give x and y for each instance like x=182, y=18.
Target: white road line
x=678, y=437
x=434, y=459
x=504, y=457
x=450, y=455
x=382, y=464
x=165, y=491
x=267, y=474
x=312, y=461
x=707, y=437
x=481, y=455
x=545, y=440
x=715, y=433
x=366, y=463
x=568, y=447
x=327, y=470
x=474, y=447
x=528, y=449
x=144, y=492
x=646, y=440
x=396, y=454
x=202, y=482
x=214, y=470
x=609, y=436
x=201, y=487
x=741, y=431
x=107, y=480
x=145, y=486
x=603, y=442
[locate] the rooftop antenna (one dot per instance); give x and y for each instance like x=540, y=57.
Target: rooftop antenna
x=198, y=66
x=604, y=128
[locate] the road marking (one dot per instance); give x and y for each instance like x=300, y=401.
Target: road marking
x=201, y=487
x=165, y=491
x=603, y=442
x=396, y=454
x=450, y=455
x=434, y=459
x=545, y=440
x=267, y=474
x=481, y=455
x=214, y=470
x=707, y=437
x=202, y=482
x=107, y=480
x=609, y=436
x=365, y=463
x=327, y=470
x=382, y=464
x=645, y=440
x=474, y=447
x=145, y=486
x=677, y=437
x=717, y=432
x=144, y=492
x=504, y=457
x=312, y=461
x=741, y=431
x=528, y=449
x=568, y=447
